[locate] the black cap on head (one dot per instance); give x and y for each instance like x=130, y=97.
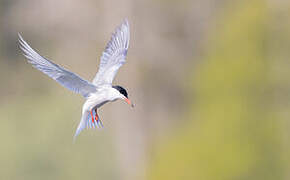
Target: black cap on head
x=121, y=90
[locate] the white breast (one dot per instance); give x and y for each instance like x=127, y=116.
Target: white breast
x=99, y=98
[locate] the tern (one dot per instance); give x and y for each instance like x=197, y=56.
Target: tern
x=100, y=90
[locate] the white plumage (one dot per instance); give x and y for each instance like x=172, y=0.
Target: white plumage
x=100, y=91
x=114, y=55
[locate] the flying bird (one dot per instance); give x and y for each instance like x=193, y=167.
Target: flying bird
x=100, y=90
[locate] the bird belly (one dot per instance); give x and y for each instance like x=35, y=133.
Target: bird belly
x=97, y=105
x=94, y=102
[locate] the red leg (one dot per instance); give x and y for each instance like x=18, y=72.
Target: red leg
x=92, y=116
x=98, y=121
x=96, y=115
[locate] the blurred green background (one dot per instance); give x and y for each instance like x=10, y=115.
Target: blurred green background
x=210, y=80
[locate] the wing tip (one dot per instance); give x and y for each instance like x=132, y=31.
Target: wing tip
x=26, y=50
x=21, y=41
x=23, y=44
x=126, y=22
x=125, y=27
x=19, y=36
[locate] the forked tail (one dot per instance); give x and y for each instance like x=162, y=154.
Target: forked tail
x=87, y=122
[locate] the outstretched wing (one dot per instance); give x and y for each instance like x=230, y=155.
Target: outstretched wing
x=114, y=55
x=64, y=77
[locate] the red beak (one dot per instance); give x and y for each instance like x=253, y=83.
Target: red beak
x=129, y=102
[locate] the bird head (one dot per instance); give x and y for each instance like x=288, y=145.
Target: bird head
x=123, y=94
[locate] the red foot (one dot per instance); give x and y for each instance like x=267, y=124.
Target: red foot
x=92, y=116
x=96, y=115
